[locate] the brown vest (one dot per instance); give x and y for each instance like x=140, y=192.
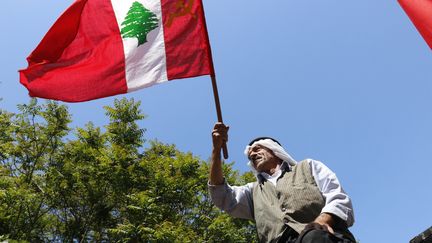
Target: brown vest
x=294, y=201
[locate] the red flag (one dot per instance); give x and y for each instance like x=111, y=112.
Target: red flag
x=420, y=13
x=100, y=48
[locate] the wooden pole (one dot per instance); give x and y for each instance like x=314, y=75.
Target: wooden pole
x=218, y=111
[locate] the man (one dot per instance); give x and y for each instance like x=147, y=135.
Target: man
x=290, y=202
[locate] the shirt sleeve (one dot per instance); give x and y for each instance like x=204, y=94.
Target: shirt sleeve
x=234, y=200
x=337, y=202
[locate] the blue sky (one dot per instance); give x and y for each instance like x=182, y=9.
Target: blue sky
x=344, y=82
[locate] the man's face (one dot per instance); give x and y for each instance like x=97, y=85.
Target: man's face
x=263, y=159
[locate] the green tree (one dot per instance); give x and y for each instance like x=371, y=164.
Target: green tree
x=29, y=142
x=138, y=23
x=101, y=184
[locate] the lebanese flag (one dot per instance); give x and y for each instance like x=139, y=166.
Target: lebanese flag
x=100, y=48
x=420, y=13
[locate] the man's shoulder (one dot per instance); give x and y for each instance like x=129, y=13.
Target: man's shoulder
x=311, y=162
x=301, y=165
x=251, y=184
x=246, y=187
x=305, y=162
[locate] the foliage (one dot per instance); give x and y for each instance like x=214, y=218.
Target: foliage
x=101, y=184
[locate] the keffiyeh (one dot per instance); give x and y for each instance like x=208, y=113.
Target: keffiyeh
x=273, y=146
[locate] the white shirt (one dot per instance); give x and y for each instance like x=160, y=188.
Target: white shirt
x=237, y=200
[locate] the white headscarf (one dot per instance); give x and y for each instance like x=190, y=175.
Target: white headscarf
x=273, y=146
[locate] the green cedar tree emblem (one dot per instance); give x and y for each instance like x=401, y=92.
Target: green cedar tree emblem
x=138, y=23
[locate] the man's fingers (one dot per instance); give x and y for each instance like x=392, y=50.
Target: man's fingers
x=220, y=134
x=326, y=227
x=223, y=136
x=318, y=226
x=220, y=129
x=220, y=126
x=329, y=229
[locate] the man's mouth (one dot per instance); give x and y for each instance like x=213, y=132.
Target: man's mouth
x=257, y=159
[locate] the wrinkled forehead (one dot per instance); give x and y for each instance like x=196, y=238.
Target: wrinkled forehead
x=254, y=147
x=257, y=146
x=262, y=142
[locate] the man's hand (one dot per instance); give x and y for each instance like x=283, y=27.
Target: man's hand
x=220, y=136
x=324, y=222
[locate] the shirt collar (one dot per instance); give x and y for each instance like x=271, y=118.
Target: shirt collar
x=285, y=167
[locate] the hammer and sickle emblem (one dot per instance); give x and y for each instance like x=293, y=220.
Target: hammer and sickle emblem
x=182, y=8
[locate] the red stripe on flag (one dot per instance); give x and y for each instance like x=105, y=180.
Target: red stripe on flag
x=186, y=42
x=420, y=13
x=80, y=58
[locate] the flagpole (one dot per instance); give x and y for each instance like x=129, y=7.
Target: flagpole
x=219, y=112
x=213, y=78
